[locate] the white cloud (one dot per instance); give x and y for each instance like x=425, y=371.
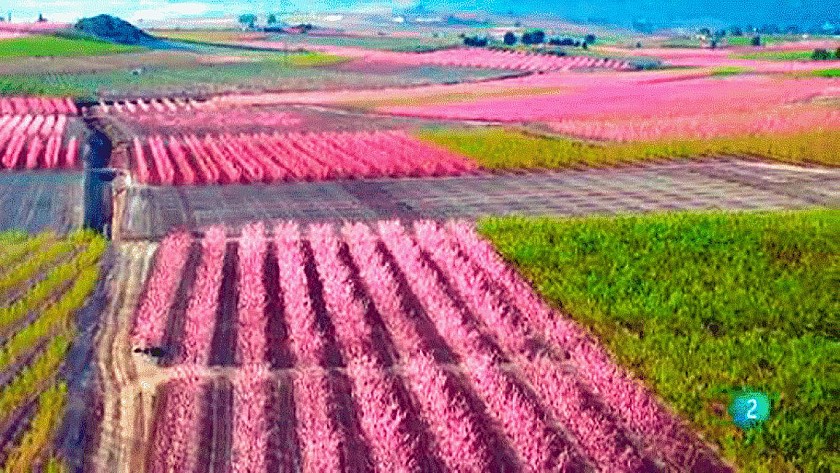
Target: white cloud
x=170, y=10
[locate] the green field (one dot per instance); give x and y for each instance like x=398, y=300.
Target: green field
x=701, y=306
x=45, y=45
x=310, y=59
x=497, y=148
x=292, y=72
x=726, y=71
x=44, y=280
x=830, y=73
x=779, y=55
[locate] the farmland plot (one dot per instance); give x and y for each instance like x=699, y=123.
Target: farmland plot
x=36, y=201
x=370, y=348
x=44, y=281
x=38, y=133
x=478, y=58
x=244, y=158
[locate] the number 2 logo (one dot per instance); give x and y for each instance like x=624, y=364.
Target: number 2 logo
x=751, y=411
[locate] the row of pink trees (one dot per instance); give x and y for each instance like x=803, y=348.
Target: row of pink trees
x=36, y=142
x=162, y=105
x=384, y=420
x=250, y=158
x=599, y=436
x=398, y=306
x=514, y=60
x=790, y=119
x=37, y=106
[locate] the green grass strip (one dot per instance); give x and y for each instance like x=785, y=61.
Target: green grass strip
x=53, y=46
x=31, y=378
x=56, y=317
x=55, y=279
x=498, y=148
x=15, y=251
x=29, y=268
x=830, y=73
x=777, y=55
x=49, y=85
x=701, y=305
x=726, y=71
x=12, y=236
x=47, y=418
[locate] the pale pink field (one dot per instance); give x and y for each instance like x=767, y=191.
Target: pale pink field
x=783, y=120
x=755, y=65
x=461, y=57
x=542, y=81
x=42, y=27
x=634, y=97
x=728, y=57
x=12, y=34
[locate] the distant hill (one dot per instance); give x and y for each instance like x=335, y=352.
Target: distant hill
x=114, y=29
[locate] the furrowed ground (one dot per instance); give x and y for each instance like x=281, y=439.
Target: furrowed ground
x=702, y=306
x=45, y=280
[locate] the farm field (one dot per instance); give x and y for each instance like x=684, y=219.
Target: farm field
x=140, y=118
x=392, y=43
x=463, y=57
x=36, y=201
x=498, y=148
x=51, y=46
x=607, y=96
x=153, y=211
x=39, y=133
x=363, y=245
x=449, y=365
x=45, y=282
x=238, y=76
x=227, y=159
x=724, y=290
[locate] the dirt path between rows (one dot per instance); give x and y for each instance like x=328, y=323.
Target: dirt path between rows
x=122, y=393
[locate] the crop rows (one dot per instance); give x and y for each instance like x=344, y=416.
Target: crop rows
x=782, y=120
x=36, y=332
x=37, y=106
x=244, y=118
x=36, y=142
x=163, y=105
x=410, y=349
x=516, y=60
x=251, y=158
x=463, y=57
x=631, y=97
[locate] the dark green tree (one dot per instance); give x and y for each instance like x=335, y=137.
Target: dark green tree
x=272, y=19
x=533, y=37
x=248, y=19
x=756, y=40
x=510, y=38
x=589, y=39
x=820, y=54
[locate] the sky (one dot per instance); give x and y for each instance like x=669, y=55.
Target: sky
x=783, y=12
